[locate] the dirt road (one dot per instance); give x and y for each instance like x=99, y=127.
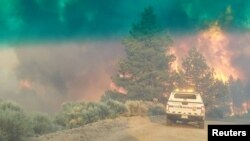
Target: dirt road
x=129, y=129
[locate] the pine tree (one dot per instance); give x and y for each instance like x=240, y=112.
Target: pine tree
x=145, y=70
x=196, y=73
x=237, y=93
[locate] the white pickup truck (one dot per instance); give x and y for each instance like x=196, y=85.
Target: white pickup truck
x=185, y=106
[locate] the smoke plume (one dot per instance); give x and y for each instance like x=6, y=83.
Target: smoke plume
x=46, y=75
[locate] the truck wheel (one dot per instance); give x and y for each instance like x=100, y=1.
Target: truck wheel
x=202, y=124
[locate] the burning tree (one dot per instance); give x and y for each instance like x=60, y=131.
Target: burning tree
x=146, y=69
x=196, y=73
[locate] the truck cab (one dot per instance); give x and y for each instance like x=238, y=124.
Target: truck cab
x=185, y=106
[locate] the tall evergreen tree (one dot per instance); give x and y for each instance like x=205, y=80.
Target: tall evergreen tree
x=236, y=91
x=145, y=70
x=197, y=71
x=199, y=75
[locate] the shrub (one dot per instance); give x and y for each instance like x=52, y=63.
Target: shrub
x=215, y=113
x=42, y=124
x=116, y=107
x=71, y=115
x=60, y=120
x=10, y=106
x=114, y=96
x=13, y=122
x=78, y=114
x=3, y=136
x=101, y=109
x=136, y=108
x=157, y=109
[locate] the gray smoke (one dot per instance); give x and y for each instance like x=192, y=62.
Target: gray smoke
x=46, y=75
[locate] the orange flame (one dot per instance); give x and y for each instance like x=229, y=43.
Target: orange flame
x=25, y=84
x=114, y=87
x=213, y=43
x=239, y=110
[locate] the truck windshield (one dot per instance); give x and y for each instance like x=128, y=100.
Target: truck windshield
x=185, y=96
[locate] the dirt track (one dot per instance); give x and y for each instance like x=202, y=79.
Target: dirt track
x=129, y=129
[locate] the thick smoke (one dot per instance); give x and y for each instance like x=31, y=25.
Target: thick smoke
x=241, y=48
x=41, y=77
x=59, y=19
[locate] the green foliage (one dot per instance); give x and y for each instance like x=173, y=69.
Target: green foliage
x=236, y=91
x=3, y=136
x=197, y=74
x=142, y=108
x=90, y=115
x=116, y=107
x=42, y=124
x=13, y=122
x=79, y=114
x=60, y=119
x=10, y=106
x=146, y=27
x=145, y=71
x=103, y=111
x=220, y=94
x=95, y=112
x=215, y=113
x=157, y=109
x=71, y=114
x=136, y=108
x=113, y=95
